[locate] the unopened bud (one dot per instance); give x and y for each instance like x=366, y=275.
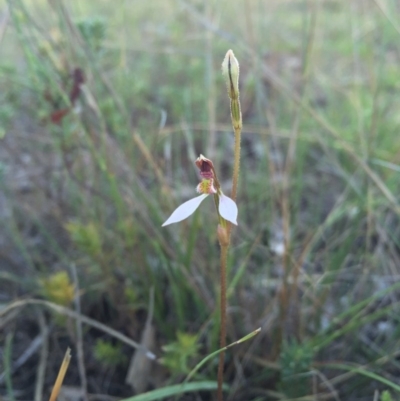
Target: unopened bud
x=223, y=236
x=230, y=71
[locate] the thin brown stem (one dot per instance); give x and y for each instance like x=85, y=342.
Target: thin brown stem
x=224, y=258
x=222, y=338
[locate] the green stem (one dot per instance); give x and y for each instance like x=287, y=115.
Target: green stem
x=236, y=165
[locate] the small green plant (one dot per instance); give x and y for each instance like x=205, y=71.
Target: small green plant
x=386, y=396
x=108, y=354
x=93, y=31
x=295, y=360
x=86, y=237
x=178, y=356
x=58, y=288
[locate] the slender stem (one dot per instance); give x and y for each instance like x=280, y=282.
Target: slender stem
x=224, y=257
x=236, y=165
x=230, y=68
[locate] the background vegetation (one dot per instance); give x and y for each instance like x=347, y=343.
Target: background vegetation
x=86, y=183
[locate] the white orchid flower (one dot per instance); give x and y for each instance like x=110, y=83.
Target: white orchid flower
x=227, y=208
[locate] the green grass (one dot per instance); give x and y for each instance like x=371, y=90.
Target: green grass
x=319, y=82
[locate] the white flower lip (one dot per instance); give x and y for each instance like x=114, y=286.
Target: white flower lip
x=228, y=209
x=185, y=210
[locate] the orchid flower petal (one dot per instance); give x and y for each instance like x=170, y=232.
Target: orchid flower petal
x=228, y=209
x=185, y=210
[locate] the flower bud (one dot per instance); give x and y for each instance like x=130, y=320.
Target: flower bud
x=230, y=71
x=223, y=236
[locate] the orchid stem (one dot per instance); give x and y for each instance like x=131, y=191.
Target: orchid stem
x=236, y=165
x=224, y=257
x=230, y=68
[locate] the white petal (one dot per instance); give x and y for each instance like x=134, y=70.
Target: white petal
x=228, y=209
x=185, y=210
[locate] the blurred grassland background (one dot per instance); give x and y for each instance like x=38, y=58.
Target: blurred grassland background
x=315, y=260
